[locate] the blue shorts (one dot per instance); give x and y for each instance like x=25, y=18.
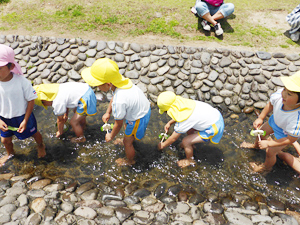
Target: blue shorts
x=278, y=132
x=87, y=105
x=138, y=128
x=213, y=133
x=31, y=128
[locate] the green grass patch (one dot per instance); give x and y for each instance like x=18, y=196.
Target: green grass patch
x=160, y=26
x=4, y=1
x=169, y=18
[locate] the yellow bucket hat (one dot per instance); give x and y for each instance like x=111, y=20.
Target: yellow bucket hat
x=105, y=71
x=45, y=92
x=292, y=83
x=178, y=108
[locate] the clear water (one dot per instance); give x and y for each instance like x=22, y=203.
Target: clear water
x=219, y=168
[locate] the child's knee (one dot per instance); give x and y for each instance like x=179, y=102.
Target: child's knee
x=6, y=141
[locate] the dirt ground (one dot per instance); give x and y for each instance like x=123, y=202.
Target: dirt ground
x=273, y=19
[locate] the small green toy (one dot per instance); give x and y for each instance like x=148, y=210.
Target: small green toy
x=107, y=127
x=66, y=126
x=163, y=136
x=12, y=128
x=258, y=133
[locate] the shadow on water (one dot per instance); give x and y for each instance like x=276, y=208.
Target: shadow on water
x=219, y=168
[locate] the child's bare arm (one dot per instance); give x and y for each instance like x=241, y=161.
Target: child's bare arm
x=259, y=121
x=29, y=109
x=107, y=114
x=169, y=141
x=276, y=143
x=116, y=129
x=168, y=125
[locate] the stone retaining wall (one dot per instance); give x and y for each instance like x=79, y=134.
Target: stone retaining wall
x=239, y=80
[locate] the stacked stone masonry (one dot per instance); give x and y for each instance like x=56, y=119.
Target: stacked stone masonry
x=235, y=79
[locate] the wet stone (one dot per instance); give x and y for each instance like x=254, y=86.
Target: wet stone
x=107, y=220
x=196, y=199
x=131, y=188
x=236, y=218
x=213, y=207
x=33, y=219
x=115, y=203
x=123, y=213
x=275, y=204
x=49, y=214
x=85, y=212
x=160, y=190
x=38, y=205
x=177, y=207
x=141, y=193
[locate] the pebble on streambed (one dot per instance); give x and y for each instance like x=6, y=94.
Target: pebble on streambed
x=38, y=200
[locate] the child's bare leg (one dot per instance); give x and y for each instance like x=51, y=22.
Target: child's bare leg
x=297, y=147
x=268, y=130
x=83, y=123
x=40, y=144
x=188, y=143
x=7, y=142
x=291, y=160
x=129, y=151
x=75, y=122
x=270, y=160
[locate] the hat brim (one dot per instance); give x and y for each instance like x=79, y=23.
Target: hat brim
x=40, y=103
x=161, y=111
x=89, y=79
x=290, y=84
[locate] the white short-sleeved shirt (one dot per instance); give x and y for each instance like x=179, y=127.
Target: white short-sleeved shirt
x=203, y=116
x=130, y=104
x=289, y=121
x=15, y=95
x=68, y=96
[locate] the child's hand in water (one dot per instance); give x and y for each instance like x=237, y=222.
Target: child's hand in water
x=108, y=137
x=160, y=146
x=257, y=123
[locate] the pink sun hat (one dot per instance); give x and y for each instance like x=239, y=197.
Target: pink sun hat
x=7, y=55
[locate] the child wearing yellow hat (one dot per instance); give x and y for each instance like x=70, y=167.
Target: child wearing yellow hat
x=199, y=120
x=128, y=103
x=65, y=96
x=284, y=123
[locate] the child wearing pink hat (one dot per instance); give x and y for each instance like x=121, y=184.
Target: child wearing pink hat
x=16, y=104
x=284, y=123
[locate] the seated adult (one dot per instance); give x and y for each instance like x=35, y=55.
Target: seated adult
x=294, y=21
x=211, y=11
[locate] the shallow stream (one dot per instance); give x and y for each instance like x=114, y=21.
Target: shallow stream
x=222, y=168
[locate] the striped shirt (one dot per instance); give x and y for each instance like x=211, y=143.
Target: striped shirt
x=293, y=20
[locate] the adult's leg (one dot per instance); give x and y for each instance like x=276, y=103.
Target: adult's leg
x=203, y=11
x=40, y=144
x=129, y=151
x=224, y=11
x=7, y=142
